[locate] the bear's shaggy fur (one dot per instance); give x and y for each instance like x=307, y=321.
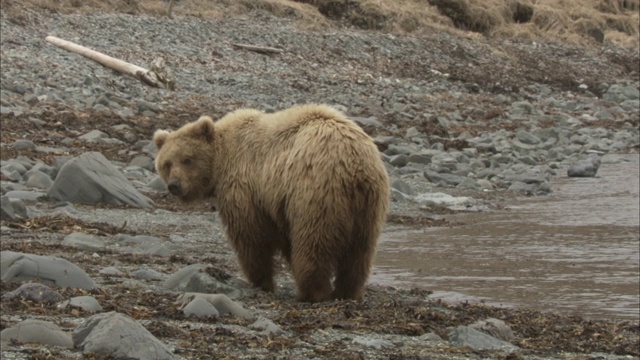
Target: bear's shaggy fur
x=305, y=182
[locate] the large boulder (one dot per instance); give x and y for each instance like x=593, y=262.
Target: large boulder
x=118, y=336
x=90, y=178
x=17, y=267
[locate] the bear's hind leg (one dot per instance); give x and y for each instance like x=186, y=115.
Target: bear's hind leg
x=354, y=264
x=311, y=270
x=313, y=282
x=351, y=275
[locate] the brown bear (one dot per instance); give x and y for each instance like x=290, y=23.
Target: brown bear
x=305, y=182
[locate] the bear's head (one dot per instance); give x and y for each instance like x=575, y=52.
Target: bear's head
x=185, y=159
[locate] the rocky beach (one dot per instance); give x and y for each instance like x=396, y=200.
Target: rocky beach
x=99, y=262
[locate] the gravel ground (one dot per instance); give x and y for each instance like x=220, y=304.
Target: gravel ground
x=414, y=94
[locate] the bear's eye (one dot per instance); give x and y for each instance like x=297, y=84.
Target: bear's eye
x=186, y=161
x=167, y=165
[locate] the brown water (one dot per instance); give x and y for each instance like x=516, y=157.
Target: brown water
x=576, y=251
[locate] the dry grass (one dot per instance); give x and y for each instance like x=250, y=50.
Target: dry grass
x=576, y=21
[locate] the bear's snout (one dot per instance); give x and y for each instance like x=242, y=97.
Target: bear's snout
x=174, y=188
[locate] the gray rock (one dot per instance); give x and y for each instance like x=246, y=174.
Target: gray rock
x=365, y=122
x=36, y=292
x=431, y=337
x=91, y=178
x=631, y=92
x=118, y=336
x=86, y=303
x=444, y=200
x=527, y=138
x=412, y=132
x=496, y=328
x=44, y=168
x=12, y=208
x=38, y=179
x=469, y=184
x=604, y=115
x=59, y=161
x=448, y=179
x=94, y=135
x=630, y=105
x=485, y=184
x=148, y=274
x=399, y=160
x=158, y=250
x=112, y=271
x=51, y=150
x=528, y=177
x=25, y=195
x=39, y=332
x=18, y=267
x=200, y=308
x=138, y=173
x=24, y=145
x=125, y=113
x=423, y=157
x=6, y=209
x=521, y=147
x=179, y=280
x=399, y=196
x=138, y=239
x=522, y=107
x=84, y=242
x=11, y=174
x=402, y=186
x=398, y=149
x=148, y=147
x=527, y=160
x=384, y=141
x=202, y=282
x=222, y=303
x=462, y=336
x=547, y=133
x=109, y=141
x=144, y=162
x=584, y=168
x=157, y=184
x=148, y=106
x=16, y=165
x=374, y=343
x=524, y=188
x=266, y=327
x=620, y=93
x=27, y=162
x=30, y=99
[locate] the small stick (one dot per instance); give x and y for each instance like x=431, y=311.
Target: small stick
x=259, y=49
x=170, y=9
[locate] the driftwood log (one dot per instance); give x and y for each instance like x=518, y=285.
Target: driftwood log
x=259, y=49
x=170, y=12
x=158, y=76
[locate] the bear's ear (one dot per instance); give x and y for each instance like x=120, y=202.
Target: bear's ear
x=204, y=128
x=159, y=137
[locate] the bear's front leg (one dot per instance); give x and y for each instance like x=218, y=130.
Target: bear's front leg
x=255, y=256
x=253, y=237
